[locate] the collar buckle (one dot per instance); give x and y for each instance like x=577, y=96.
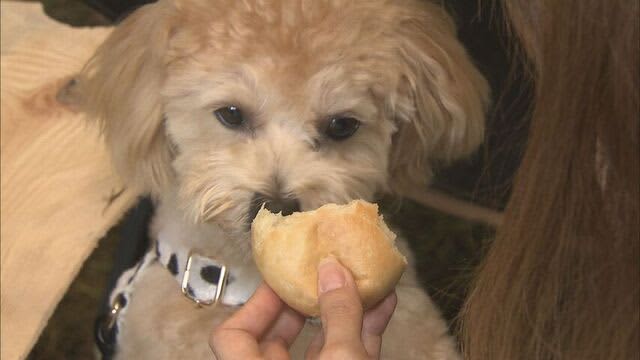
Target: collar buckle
x=204, y=279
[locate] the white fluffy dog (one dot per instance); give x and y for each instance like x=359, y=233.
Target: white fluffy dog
x=217, y=106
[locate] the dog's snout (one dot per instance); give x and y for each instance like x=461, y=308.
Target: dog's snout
x=284, y=205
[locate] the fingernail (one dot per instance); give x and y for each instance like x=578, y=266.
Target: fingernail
x=330, y=275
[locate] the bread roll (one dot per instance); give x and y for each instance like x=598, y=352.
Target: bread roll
x=287, y=250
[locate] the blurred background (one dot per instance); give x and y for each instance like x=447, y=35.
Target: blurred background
x=447, y=248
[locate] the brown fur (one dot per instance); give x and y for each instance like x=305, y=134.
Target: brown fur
x=561, y=280
x=290, y=66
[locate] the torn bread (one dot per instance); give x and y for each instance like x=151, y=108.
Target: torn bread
x=287, y=250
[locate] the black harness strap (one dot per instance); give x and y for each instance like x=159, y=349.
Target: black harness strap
x=134, y=243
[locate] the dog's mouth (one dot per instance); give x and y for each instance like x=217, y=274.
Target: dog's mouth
x=284, y=205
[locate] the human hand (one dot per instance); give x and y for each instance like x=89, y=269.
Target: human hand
x=347, y=333
x=265, y=328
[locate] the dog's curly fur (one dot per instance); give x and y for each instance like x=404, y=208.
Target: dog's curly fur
x=289, y=65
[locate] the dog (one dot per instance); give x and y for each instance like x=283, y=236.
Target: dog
x=216, y=107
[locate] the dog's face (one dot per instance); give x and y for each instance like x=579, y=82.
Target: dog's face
x=291, y=130
x=297, y=103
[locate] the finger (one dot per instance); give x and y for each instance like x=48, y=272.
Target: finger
x=236, y=338
x=315, y=347
x=375, y=322
x=275, y=349
x=258, y=314
x=340, y=304
x=282, y=334
x=233, y=344
x=286, y=328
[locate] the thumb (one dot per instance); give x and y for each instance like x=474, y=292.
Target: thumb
x=340, y=304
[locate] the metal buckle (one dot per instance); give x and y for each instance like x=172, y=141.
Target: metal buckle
x=106, y=327
x=213, y=289
x=118, y=303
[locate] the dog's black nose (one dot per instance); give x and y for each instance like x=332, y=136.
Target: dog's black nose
x=286, y=206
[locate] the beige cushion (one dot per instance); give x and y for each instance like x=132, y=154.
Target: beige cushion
x=56, y=176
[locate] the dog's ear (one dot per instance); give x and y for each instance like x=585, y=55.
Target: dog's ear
x=441, y=100
x=121, y=85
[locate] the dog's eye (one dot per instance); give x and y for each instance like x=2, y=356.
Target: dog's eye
x=229, y=116
x=342, y=128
